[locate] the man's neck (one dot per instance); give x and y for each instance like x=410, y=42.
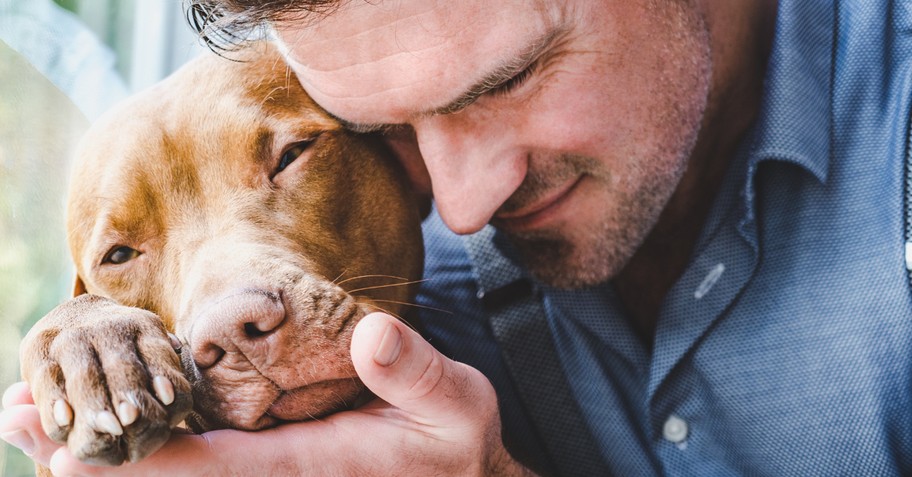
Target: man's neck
x=733, y=105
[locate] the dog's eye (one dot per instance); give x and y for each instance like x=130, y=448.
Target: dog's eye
x=291, y=154
x=120, y=254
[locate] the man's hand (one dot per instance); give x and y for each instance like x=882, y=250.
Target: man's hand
x=434, y=416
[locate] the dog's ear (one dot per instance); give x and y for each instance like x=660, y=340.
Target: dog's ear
x=79, y=287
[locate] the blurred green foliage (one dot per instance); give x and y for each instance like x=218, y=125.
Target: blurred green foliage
x=39, y=128
x=70, y=5
x=112, y=22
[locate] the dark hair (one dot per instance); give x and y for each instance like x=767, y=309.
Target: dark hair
x=225, y=25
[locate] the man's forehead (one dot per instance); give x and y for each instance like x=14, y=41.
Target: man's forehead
x=377, y=51
x=410, y=25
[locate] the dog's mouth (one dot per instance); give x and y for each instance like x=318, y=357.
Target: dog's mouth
x=317, y=400
x=304, y=403
x=284, y=380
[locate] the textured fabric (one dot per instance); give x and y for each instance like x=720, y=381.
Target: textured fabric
x=519, y=324
x=785, y=347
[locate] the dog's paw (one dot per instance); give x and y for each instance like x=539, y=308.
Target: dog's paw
x=106, y=379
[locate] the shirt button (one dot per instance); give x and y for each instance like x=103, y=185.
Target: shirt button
x=675, y=429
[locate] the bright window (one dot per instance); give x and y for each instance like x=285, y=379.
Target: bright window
x=62, y=63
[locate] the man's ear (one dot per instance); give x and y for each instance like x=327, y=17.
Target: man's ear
x=79, y=287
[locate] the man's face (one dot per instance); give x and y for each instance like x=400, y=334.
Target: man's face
x=566, y=124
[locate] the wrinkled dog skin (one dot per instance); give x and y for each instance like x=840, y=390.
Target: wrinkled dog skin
x=225, y=207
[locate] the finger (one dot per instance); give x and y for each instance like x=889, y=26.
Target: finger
x=16, y=394
x=20, y=426
x=401, y=368
x=183, y=454
x=224, y=452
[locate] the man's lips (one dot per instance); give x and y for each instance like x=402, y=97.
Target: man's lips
x=533, y=215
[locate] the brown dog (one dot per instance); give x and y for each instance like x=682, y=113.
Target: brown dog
x=224, y=206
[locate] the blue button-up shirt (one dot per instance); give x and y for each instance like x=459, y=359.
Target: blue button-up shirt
x=785, y=348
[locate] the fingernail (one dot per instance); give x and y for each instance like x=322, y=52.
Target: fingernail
x=127, y=413
x=63, y=414
x=390, y=346
x=105, y=421
x=163, y=389
x=21, y=440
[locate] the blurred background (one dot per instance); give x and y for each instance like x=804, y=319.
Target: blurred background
x=62, y=64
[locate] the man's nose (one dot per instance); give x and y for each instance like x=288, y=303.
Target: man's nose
x=474, y=168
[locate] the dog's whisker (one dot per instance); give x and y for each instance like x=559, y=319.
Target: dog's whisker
x=388, y=312
x=287, y=79
x=380, y=308
x=274, y=91
x=371, y=276
x=340, y=276
x=416, y=305
x=343, y=403
x=386, y=286
x=352, y=377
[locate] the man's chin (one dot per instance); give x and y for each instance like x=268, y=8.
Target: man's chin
x=561, y=279
x=562, y=265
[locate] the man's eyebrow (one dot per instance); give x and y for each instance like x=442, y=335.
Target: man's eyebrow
x=502, y=73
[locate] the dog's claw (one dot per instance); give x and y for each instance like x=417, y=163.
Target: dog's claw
x=105, y=421
x=163, y=389
x=63, y=414
x=127, y=413
x=175, y=342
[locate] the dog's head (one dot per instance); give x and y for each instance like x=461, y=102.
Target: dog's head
x=228, y=203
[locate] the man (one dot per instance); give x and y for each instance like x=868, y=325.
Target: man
x=696, y=262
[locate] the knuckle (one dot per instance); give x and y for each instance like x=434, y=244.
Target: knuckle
x=429, y=379
x=140, y=319
x=69, y=343
x=484, y=390
x=45, y=378
x=164, y=361
x=36, y=341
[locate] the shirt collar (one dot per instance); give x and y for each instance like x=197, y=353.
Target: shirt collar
x=795, y=118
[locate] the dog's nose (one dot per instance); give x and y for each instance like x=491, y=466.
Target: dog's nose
x=237, y=323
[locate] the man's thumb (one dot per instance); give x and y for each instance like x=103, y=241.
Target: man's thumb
x=403, y=369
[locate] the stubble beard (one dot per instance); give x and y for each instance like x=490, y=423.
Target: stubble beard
x=594, y=252
x=597, y=251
